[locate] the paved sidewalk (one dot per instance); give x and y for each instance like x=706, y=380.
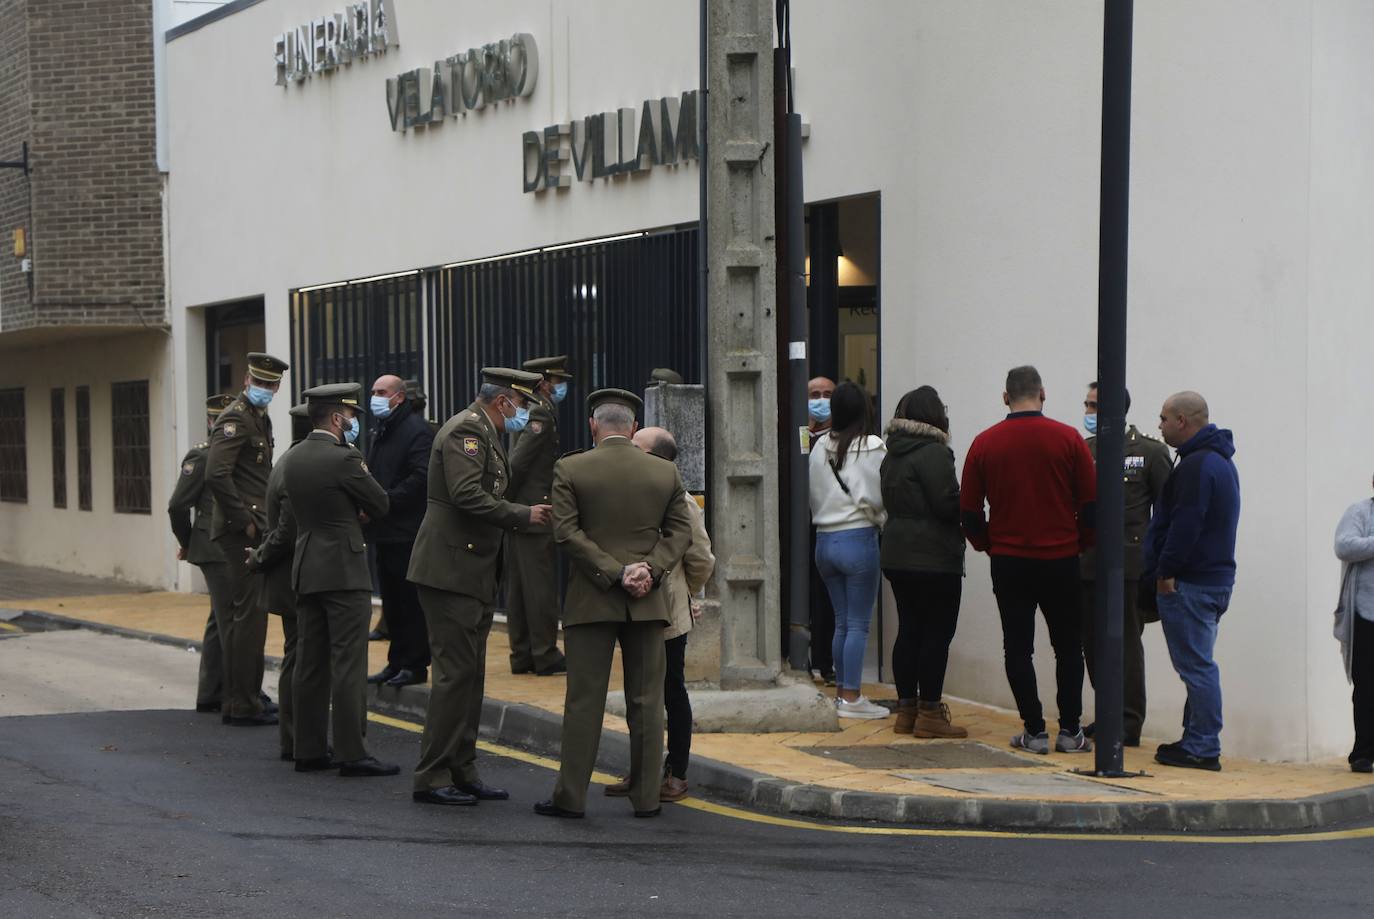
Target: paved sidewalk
x=864, y=770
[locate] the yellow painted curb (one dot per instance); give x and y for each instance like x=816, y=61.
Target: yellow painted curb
x=735, y=813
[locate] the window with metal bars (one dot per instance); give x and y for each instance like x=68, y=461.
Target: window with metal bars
x=59, y=447
x=14, y=464
x=83, y=447
x=133, y=485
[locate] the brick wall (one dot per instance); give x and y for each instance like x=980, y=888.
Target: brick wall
x=15, y=128
x=96, y=225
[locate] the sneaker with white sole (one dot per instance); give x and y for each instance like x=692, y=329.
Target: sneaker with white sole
x=859, y=708
x=1072, y=743
x=1032, y=743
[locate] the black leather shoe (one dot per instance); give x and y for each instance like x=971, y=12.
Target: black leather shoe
x=447, y=795
x=381, y=676
x=260, y=720
x=377, y=635
x=1090, y=729
x=407, y=677
x=317, y=764
x=528, y=668
x=482, y=792
x=367, y=768
x=555, y=670
x=206, y=708
x=1177, y=756
x=268, y=705
x=549, y=809
x=1129, y=741
x=1362, y=765
x=653, y=813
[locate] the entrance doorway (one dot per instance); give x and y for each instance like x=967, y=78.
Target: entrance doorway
x=231, y=331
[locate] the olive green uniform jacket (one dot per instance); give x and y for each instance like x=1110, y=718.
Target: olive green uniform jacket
x=274, y=554
x=190, y=494
x=533, y=453
x=237, y=467
x=613, y=506
x=329, y=484
x=1147, y=466
x=458, y=548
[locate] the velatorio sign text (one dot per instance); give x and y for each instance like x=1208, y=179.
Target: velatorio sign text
x=464, y=82
x=611, y=144
x=324, y=45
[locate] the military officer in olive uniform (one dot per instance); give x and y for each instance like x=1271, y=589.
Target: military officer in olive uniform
x=271, y=560
x=531, y=573
x=237, y=467
x=455, y=566
x=1147, y=467
x=619, y=515
x=196, y=547
x=331, y=492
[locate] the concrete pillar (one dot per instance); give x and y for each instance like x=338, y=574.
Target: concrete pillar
x=741, y=339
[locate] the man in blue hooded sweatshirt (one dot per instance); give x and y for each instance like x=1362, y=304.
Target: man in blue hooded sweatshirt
x=1190, y=550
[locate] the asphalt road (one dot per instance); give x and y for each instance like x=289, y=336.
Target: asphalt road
x=159, y=812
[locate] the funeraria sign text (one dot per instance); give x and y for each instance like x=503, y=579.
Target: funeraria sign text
x=324, y=45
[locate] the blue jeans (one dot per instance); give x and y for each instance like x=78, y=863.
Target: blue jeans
x=1190, y=618
x=848, y=563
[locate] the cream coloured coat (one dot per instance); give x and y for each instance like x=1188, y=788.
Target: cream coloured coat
x=687, y=579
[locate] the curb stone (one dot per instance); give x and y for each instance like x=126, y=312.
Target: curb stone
x=541, y=731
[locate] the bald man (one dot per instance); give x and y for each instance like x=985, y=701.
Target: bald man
x=1190, y=552
x=399, y=441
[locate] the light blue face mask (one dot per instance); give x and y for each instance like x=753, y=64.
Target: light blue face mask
x=351, y=433
x=818, y=409
x=1090, y=424
x=259, y=396
x=560, y=392
x=381, y=406
x=516, y=423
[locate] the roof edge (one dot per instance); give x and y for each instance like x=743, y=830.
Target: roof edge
x=205, y=19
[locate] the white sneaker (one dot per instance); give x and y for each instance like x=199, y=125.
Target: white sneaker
x=859, y=708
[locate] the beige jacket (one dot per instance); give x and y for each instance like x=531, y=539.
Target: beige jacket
x=687, y=579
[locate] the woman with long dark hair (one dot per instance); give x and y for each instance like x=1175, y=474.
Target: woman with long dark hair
x=922, y=558
x=847, y=509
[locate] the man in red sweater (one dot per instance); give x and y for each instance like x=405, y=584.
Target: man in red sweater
x=1037, y=477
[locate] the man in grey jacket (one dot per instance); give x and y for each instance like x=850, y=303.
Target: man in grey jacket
x=1355, y=622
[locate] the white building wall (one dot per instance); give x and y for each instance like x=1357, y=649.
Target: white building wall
x=978, y=122
x=138, y=548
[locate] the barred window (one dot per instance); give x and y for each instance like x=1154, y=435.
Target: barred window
x=59, y=448
x=133, y=486
x=14, y=465
x=83, y=447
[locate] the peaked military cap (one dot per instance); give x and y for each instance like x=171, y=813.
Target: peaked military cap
x=216, y=404
x=664, y=375
x=300, y=411
x=265, y=367
x=552, y=367
x=519, y=380
x=616, y=397
x=334, y=394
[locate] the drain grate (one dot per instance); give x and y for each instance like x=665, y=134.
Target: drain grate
x=937, y=755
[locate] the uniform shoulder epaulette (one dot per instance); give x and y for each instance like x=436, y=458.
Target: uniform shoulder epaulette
x=201, y=446
x=572, y=453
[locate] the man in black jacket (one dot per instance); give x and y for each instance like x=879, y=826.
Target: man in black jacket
x=398, y=457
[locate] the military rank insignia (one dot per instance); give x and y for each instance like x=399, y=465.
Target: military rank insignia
x=470, y=446
x=188, y=468
x=536, y=427
x=230, y=429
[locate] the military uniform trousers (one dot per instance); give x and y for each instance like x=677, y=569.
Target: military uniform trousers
x=458, y=629
x=243, y=632
x=532, y=602
x=210, y=683
x=591, y=648
x=286, y=690
x=1132, y=653
x=331, y=665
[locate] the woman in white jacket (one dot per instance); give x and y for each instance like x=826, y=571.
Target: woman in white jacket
x=847, y=509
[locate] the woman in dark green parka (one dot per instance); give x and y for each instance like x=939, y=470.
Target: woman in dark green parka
x=922, y=558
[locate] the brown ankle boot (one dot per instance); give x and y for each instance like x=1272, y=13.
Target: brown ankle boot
x=932, y=720
x=906, y=716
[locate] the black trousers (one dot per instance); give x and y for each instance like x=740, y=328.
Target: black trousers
x=1132, y=653
x=927, y=614
x=1362, y=672
x=1021, y=585
x=822, y=617
x=678, y=705
x=405, y=620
